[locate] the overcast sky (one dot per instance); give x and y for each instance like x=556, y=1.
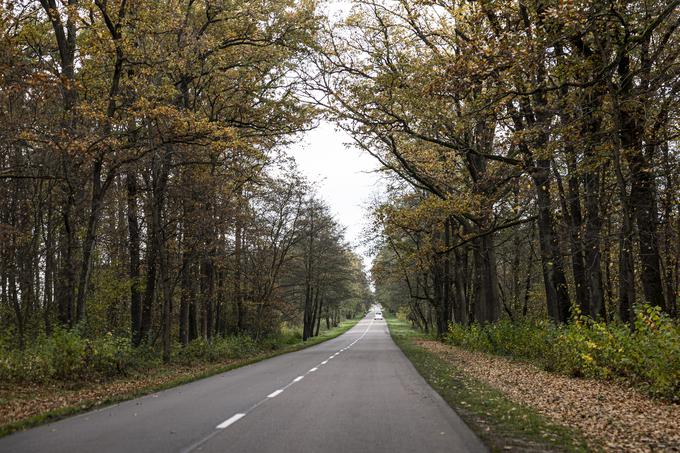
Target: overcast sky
x=345, y=177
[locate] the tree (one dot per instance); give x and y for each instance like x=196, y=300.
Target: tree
x=473, y=103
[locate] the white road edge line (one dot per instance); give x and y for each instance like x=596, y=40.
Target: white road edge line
x=233, y=419
x=275, y=393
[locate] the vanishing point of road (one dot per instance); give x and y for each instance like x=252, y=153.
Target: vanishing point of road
x=355, y=393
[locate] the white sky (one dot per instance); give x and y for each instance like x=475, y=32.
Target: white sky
x=345, y=178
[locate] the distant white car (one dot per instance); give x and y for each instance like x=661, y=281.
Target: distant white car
x=378, y=316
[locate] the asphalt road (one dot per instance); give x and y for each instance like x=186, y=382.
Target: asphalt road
x=355, y=393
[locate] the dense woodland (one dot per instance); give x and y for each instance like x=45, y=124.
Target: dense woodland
x=535, y=148
x=145, y=192
x=530, y=150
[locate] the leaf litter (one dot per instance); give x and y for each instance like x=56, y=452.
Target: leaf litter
x=611, y=417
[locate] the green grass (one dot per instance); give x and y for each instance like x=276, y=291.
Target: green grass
x=499, y=422
x=278, y=349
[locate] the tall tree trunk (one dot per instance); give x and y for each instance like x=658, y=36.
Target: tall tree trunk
x=166, y=309
x=557, y=295
x=446, y=290
x=150, y=286
x=460, y=307
x=65, y=35
x=208, y=295
x=49, y=271
x=161, y=172
x=591, y=181
x=16, y=306
x=98, y=192
x=318, y=318
x=575, y=222
x=185, y=300
x=134, y=258
x=238, y=297
x=592, y=246
x=193, y=310
x=67, y=265
x=316, y=311
x=486, y=307
x=306, y=313
x=643, y=202
x=643, y=189
x=626, y=263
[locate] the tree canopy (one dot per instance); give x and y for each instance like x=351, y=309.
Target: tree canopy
x=142, y=169
x=532, y=137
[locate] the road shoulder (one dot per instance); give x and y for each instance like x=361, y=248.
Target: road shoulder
x=503, y=424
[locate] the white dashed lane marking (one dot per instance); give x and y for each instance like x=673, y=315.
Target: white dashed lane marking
x=230, y=420
x=236, y=417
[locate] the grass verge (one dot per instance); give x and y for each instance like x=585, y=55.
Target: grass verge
x=161, y=378
x=502, y=424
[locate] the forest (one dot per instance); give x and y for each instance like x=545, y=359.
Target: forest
x=530, y=151
x=147, y=200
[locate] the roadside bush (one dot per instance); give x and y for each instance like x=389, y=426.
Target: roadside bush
x=68, y=356
x=648, y=357
x=289, y=335
x=197, y=350
x=29, y=366
x=403, y=313
x=67, y=352
x=110, y=356
x=242, y=346
x=226, y=348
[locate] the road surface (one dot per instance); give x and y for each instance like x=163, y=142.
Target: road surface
x=355, y=393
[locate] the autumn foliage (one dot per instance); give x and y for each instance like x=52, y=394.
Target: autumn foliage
x=148, y=203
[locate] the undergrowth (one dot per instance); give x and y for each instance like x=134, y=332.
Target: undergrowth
x=647, y=357
x=67, y=356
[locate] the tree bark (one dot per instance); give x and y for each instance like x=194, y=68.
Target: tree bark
x=557, y=295
x=134, y=258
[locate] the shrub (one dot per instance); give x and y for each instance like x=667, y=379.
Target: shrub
x=196, y=350
x=220, y=348
x=289, y=335
x=242, y=346
x=67, y=356
x=403, y=313
x=648, y=357
x=67, y=352
x=110, y=356
x=29, y=366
